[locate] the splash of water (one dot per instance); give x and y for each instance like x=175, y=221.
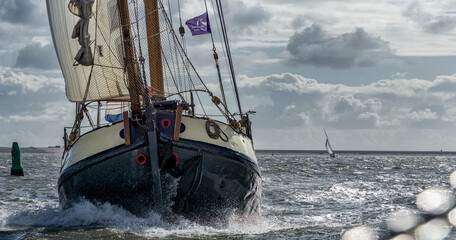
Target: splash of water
x=87, y=215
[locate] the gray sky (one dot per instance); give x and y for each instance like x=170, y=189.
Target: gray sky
x=377, y=74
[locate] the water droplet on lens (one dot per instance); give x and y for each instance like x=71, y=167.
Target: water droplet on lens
x=402, y=220
x=452, y=217
x=453, y=179
x=361, y=232
x=435, y=200
x=435, y=229
x=403, y=237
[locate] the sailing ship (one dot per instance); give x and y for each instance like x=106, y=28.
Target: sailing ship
x=328, y=146
x=163, y=147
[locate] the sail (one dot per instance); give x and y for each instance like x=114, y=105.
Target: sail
x=328, y=145
x=88, y=41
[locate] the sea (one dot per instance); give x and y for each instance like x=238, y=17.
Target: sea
x=305, y=196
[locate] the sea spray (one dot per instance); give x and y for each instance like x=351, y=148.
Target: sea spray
x=82, y=214
x=87, y=215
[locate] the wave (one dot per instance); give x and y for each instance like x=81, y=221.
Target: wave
x=88, y=216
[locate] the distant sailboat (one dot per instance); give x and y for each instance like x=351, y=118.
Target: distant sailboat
x=328, y=145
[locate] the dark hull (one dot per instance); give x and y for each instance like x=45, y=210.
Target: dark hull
x=207, y=182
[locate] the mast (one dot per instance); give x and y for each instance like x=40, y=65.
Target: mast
x=154, y=49
x=157, y=92
x=134, y=87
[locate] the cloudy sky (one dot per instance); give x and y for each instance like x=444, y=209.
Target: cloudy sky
x=377, y=74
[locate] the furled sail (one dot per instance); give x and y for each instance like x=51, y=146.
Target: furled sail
x=87, y=36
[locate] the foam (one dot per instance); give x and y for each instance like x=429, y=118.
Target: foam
x=86, y=215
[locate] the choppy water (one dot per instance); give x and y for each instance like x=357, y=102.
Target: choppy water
x=304, y=197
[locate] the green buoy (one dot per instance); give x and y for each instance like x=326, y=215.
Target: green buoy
x=16, y=169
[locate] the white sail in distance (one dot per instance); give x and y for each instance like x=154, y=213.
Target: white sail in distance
x=106, y=76
x=328, y=145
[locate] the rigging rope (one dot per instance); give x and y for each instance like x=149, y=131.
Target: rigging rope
x=170, y=13
x=141, y=60
x=225, y=58
x=180, y=17
x=174, y=66
x=228, y=51
x=222, y=90
x=182, y=34
x=184, y=58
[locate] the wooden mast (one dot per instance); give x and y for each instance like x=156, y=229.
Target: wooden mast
x=154, y=49
x=134, y=86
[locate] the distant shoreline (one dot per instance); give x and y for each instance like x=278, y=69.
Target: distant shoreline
x=362, y=152
x=34, y=150
x=57, y=150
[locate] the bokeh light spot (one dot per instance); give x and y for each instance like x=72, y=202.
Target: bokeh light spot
x=361, y=232
x=453, y=179
x=452, y=217
x=435, y=229
x=402, y=220
x=403, y=237
x=435, y=200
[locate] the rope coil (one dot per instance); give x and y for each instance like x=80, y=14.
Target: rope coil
x=212, y=134
x=216, y=134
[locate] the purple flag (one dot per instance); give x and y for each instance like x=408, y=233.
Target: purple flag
x=199, y=25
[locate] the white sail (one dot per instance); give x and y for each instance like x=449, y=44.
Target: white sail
x=328, y=145
x=102, y=34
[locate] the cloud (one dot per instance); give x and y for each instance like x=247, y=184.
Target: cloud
x=439, y=24
x=301, y=20
x=21, y=92
x=49, y=112
x=21, y=23
x=36, y=56
x=421, y=115
x=244, y=18
x=294, y=101
x=316, y=47
x=41, y=125
x=25, y=84
x=34, y=109
x=21, y=12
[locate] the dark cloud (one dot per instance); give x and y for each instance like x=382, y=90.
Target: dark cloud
x=442, y=24
x=314, y=46
x=21, y=12
x=243, y=18
x=36, y=56
x=21, y=22
x=433, y=24
x=299, y=22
